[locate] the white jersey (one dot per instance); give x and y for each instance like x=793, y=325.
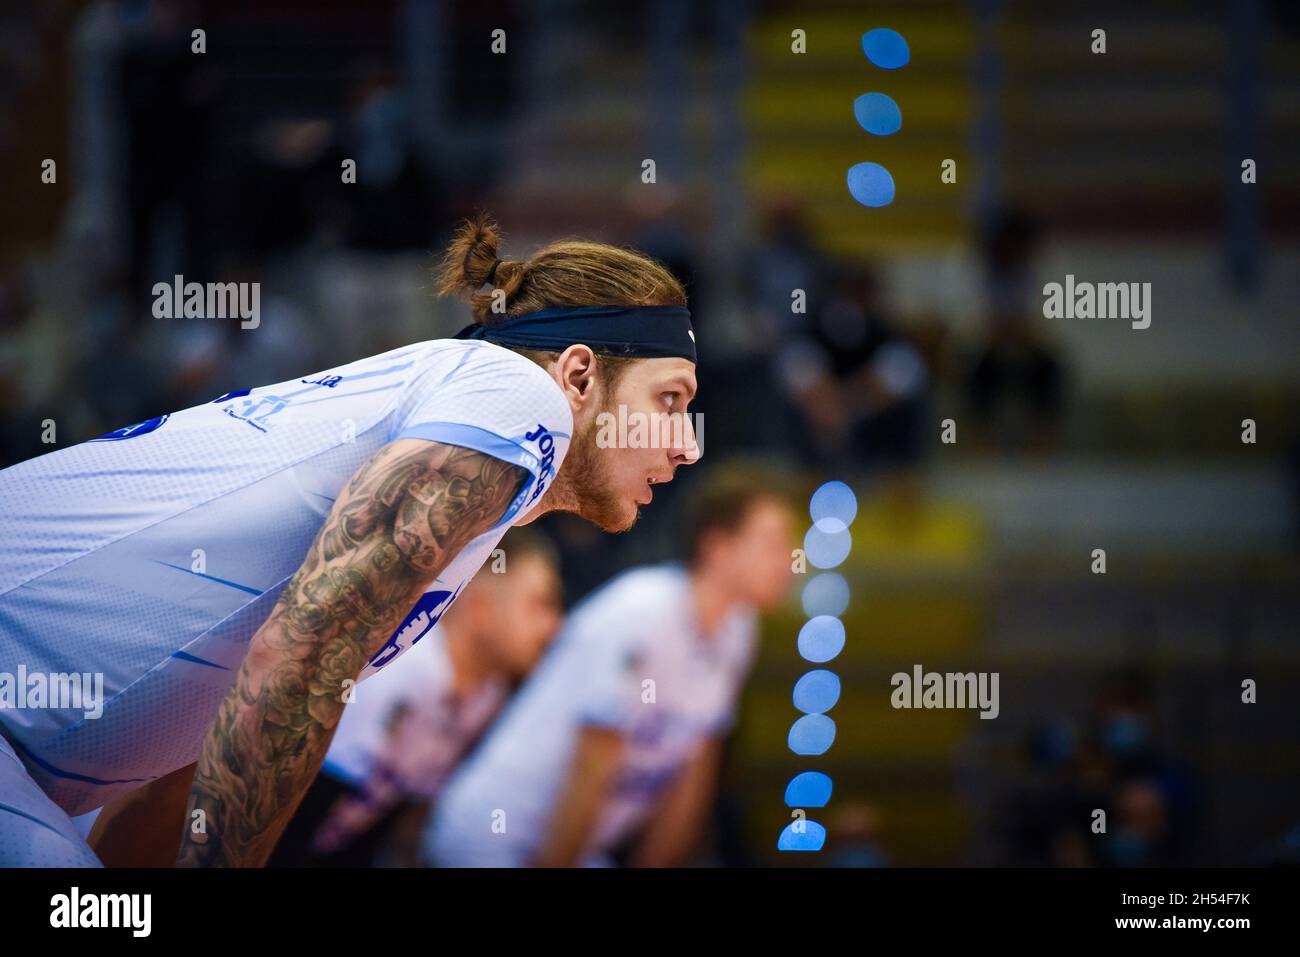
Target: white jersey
x=151, y=555
x=640, y=627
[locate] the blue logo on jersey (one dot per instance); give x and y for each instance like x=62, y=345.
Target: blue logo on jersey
x=546, y=445
x=431, y=607
x=329, y=381
x=256, y=411
x=131, y=431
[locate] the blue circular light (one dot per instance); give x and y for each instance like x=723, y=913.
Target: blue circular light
x=825, y=594
x=821, y=638
x=811, y=734
x=808, y=789
x=827, y=543
x=871, y=185
x=817, y=691
x=886, y=48
x=878, y=114
x=810, y=836
x=834, y=500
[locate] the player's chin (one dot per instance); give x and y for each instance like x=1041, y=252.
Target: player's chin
x=630, y=513
x=612, y=515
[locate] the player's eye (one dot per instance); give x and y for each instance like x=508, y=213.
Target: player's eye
x=671, y=398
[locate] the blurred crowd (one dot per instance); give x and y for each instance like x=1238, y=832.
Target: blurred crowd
x=182, y=169
x=1109, y=760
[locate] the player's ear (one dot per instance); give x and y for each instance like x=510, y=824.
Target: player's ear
x=575, y=372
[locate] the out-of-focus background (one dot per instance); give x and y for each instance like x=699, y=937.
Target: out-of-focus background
x=1120, y=690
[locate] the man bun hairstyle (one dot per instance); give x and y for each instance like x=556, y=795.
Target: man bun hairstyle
x=567, y=272
x=470, y=259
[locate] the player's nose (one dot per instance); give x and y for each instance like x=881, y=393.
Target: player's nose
x=688, y=451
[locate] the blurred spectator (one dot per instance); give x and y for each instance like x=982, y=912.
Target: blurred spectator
x=1114, y=765
x=861, y=387
x=31, y=368
x=786, y=260
x=288, y=187
x=391, y=205
x=169, y=98
x=1015, y=383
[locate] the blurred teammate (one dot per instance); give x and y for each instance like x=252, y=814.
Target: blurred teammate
x=408, y=727
x=165, y=560
x=611, y=748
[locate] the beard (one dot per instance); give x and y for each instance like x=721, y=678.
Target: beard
x=590, y=490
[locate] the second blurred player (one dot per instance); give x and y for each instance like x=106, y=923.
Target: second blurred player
x=610, y=751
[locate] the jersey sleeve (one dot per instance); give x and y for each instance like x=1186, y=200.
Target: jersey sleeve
x=482, y=397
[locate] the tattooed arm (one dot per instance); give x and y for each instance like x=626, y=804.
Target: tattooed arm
x=400, y=521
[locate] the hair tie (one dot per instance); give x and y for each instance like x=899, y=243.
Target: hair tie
x=492, y=272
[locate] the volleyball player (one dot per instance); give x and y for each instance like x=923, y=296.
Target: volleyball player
x=232, y=570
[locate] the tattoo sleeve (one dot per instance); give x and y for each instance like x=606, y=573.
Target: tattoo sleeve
x=400, y=520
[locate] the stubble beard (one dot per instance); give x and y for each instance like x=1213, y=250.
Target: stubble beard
x=587, y=485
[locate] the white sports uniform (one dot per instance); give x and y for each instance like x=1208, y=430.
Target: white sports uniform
x=640, y=627
x=151, y=555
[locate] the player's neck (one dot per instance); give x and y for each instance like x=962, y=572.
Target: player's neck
x=469, y=664
x=560, y=497
x=712, y=598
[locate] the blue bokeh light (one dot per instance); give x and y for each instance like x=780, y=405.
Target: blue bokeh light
x=878, y=114
x=821, y=638
x=886, y=48
x=833, y=501
x=812, y=838
x=811, y=734
x=871, y=184
x=825, y=594
x=817, y=691
x=827, y=543
x=808, y=789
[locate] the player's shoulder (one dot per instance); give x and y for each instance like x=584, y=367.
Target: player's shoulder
x=473, y=366
x=648, y=590
x=471, y=357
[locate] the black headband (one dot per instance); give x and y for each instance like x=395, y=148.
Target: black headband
x=639, y=332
